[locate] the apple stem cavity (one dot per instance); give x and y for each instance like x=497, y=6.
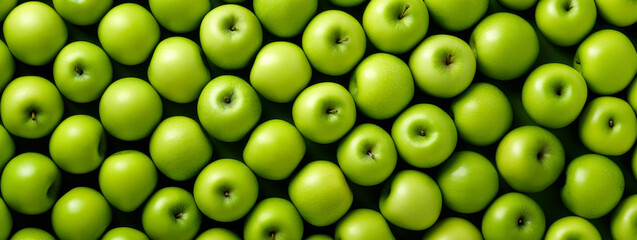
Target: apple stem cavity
x=402, y=14
x=422, y=132
x=227, y=194
x=79, y=70
x=520, y=221
x=179, y=215
x=33, y=116
x=272, y=235
x=611, y=123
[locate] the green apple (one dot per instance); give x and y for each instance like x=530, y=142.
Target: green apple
x=347, y=3
x=83, y=13
x=274, y=150
x=218, y=234
x=382, y=86
x=468, y=182
x=226, y=190
x=453, y=228
x=126, y=179
x=443, y=65
x=425, y=135
x=620, y=13
x=565, y=22
x=30, y=183
x=554, y=95
x=6, y=221
x=482, y=114
x=32, y=234
x=624, y=219
x=34, y=33
x=285, y=18
x=631, y=94
x=124, y=233
x=608, y=126
x=594, y=186
x=128, y=33
x=82, y=71
x=130, y=109
x=367, y=155
x=179, y=16
x=7, y=64
x=6, y=7
x=228, y=108
x=456, y=15
x=81, y=213
x=572, y=227
x=334, y=42
x=280, y=72
x=320, y=193
x=634, y=163
x=513, y=216
x=518, y=5
x=230, y=36
x=273, y=218
x=324, y=112
x=505, y=46
x=78, y=144
x=608, y=61
x=363, y=224
x=411, y=200
x=395, y=26
x=180, y=148
x=171, y=213
x=8, y=147
x=319, y=237
x=530, y=158
x=177, y=70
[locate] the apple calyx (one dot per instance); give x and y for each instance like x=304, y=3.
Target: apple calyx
x=79, y=70
x=402, y=14
x=520, y=221
x=422, y=132
x=227, y=194
x=611, y=123
x=227, y=99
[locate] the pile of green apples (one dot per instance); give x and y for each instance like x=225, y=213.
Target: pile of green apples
x=318, y=119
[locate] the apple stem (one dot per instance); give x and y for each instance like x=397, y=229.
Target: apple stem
x=78, y=70
x=233, y=28
x=370, y=154
x=179, y=215
x=272, y=235
x=226, y=99
x=422, y=132
x=404, y=10
x=448, y=60
x=343, y=40
x=33, y=116
x=611, y=124
x=333, y=111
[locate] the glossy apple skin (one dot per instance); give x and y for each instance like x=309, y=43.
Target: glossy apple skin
x=127, y=178
x=331, y=57
x=218, y=234
x=594, y=186
x=411, y=200
x=82, y=13
x=273, y=218
x=81, y=213
x=78, y=144
x=30, y=183
x=453, y=228
x=226, y=176
x=622, y=225
x=468, y=182
x=34, y=33
x=285, y=18
x=572, y=227
x=32, y=234
x=634, y=163
x=82, y=71
x=456, y=15
x=179, y=16
x=230, y=36
x=617, y=12
x=363, y=224
x=124, y=233
x=8, y=147
x=501, y=221
x=6, y=221
x=347, y=3
x=171, y=213
x=505, y=45
x=7, y=64
x=565, y=22
x=608, y=61
x=128, y=33
x=608, y=126
x=518, y=5
x=6, y=7
x=393, y=29
x=319, y=237
x=631, y=94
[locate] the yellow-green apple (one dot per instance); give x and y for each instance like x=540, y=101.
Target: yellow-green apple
x=608, y=126
x=624, y=219
x=82, y=71
x=124, y=233
x=32, y=234
x=7, y=64
x=363, y=224
x=83, y=13
x=631, y=94
x=572, y=227
x=634, y=163
x=285, y=18
x=513, y=216
x=81, y=213
x=8, y=147
x=78, y=144
x=565, y=22
x=395, y=26
x=6, y=7
x=620, y=13
x=171, y=213
x=453, y=228
x=456, y=15
x=179, y=16
x=218, y=234
x=319, y=237
x=127, y=178
x=518, y=5
x=273, y=218
x=347, y=3
x=6, y=221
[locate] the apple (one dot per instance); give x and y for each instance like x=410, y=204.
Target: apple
x=280, y=72
x=617, y=12
x=505, y=46
x=363, y=224
x=382, y=86
x=226, y=190
x=228, y=108
x=34, y=33
x=572, y=227
x=411, y=200
x=624, y=219
x=513, y=216
x=319, y=237
x=425, y=135
x=334, y=42
x=285, y=18
x=367, y=155
x=180, y=148
x=124, y=233
x=78, y=144
x=128, y=33
x=565, y=22
x=443, y=65
x=179, y=16
x=554, y=95
x=130, y=109
x=83, y=13
x=218, y=234
x=30, y=183
x=482, y=114
x=468, y=182
x=171, y=213
x=320, y=193
x=324, y=112
x=177, y=70
x=7, y=64
x=518, y=5
x=395, y=26
x=32, y=234
x=608, y=126
x=230, y=36
x=81, y=213
x=456, y=15
x=6, y=221
x=6, y=7
x=608, y=61
x=594, y=186
x=8, y=147
x=273, y=218
x=126, y=179
x=82, y=71
x=453, y=228
x=274, y=150
x=631, y=94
